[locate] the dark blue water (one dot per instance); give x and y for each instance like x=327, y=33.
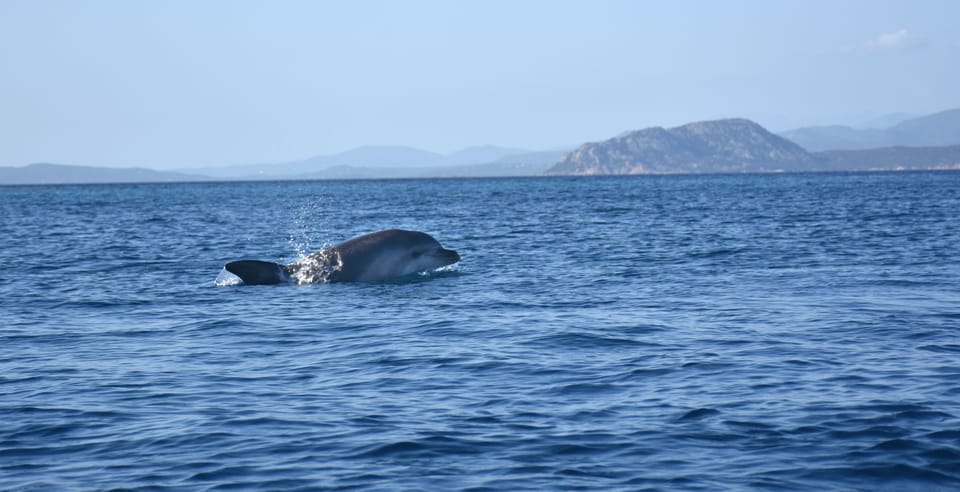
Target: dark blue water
x=783, y=332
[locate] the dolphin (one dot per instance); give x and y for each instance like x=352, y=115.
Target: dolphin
x=375, y=257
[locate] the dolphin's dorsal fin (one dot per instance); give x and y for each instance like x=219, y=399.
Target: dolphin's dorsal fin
x=255, y=272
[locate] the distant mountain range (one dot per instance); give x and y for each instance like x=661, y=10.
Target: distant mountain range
x=373, y=162
x=720, y=146
x=893, y=159
x=391, y=160
x=527, y=164
x=885, y=121
x=939, y=129
x=64, y=174
x=736, y=146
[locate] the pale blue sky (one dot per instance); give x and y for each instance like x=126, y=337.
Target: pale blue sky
x=170, y=84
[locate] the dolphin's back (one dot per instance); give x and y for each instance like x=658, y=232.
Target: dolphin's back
x=397, y=238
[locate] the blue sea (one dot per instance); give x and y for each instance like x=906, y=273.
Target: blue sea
x=734, y=332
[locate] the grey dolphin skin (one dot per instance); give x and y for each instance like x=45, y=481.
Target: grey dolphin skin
x=374, y=257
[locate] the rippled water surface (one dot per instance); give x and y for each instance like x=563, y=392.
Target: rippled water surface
x=783, y=332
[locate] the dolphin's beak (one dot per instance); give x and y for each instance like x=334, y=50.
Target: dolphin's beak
x=448, y=255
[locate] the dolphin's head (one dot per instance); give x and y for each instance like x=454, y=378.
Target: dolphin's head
x=435, y=258
x=424, y=253
x=392, y=253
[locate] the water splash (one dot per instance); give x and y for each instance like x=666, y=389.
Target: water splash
x=316, y=268
x=304, y=230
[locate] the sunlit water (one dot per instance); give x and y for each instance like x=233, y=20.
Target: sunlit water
x=797, y=332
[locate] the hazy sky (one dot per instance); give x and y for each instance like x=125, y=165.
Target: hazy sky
x=170, y=84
